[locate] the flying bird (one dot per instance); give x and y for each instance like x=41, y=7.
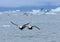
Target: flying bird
x=20, y=27
x=31, y=27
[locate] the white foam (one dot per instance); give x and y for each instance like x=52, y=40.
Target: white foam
x=17, y=10
x=51, y=13
x=6, y=25
x=56, y=10
x=1, y=13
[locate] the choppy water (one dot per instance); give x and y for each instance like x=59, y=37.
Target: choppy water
x=49, y=25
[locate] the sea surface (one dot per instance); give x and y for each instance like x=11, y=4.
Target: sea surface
x=49, y=28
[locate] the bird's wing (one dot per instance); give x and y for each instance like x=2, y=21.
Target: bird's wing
x=26, y=24
x=14, y=23
x=36, y=27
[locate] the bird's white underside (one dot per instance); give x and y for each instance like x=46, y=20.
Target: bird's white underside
x=20, y=26
x=30, y=26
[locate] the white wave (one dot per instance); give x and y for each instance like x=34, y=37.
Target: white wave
x=1, y=13
x=6, y=25
x=52, y=13
x=35, y=11
x=41, y=12
x=17, y=10
x=56, y=10
x=13, y=11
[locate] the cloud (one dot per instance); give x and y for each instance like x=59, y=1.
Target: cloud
x=19, y=3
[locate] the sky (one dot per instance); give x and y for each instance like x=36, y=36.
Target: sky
x=21, y=3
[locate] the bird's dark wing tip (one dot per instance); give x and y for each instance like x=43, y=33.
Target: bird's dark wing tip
x=37, y=27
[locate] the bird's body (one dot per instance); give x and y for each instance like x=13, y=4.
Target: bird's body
x=31, y=27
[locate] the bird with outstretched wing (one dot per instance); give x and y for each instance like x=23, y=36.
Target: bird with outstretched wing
x=31, y=27
x=20, y=27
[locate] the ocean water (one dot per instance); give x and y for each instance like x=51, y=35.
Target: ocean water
x=49, y=28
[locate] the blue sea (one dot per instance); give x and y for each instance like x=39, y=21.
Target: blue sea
x=49, y=25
